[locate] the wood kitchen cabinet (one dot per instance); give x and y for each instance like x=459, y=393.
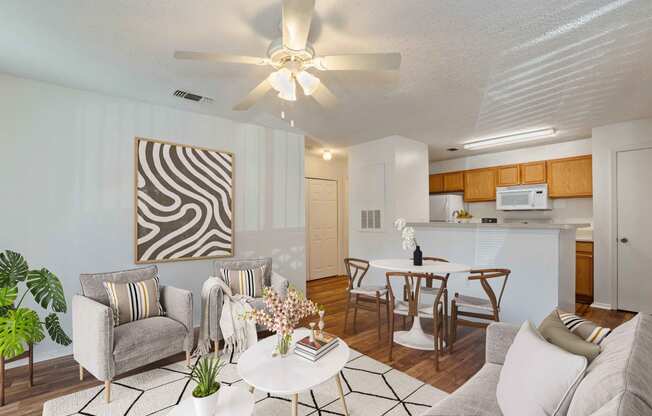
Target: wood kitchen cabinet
x=480, y=185
x=446, y=182
x=454, y=182
x=508, y=175
x=584, y=271
x=533, y=172
x=436, y=183
x=570, y=177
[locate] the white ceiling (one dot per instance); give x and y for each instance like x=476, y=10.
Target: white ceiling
x=471, y=68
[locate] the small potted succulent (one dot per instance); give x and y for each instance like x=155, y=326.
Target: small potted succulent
x=205, y=395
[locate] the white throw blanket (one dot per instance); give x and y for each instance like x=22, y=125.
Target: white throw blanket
x=238, y=334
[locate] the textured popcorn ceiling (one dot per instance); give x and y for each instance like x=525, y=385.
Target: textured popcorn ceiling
x=471, y=68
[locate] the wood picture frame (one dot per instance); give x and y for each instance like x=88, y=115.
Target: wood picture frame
x=183, y=202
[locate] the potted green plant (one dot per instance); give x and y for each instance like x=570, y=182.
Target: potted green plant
x=20, y=325
x=205, y=395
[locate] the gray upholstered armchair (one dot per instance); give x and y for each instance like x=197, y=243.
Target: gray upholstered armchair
x=271, y=279
x=106, y=351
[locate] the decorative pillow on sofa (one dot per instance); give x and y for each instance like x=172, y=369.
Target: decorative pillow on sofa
x=554, y=331
x=537, y=378
x=131, y=301
x=248, y=282
x=583, y=328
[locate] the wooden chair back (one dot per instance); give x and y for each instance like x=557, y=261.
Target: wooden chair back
x=434, y=259
x=483, y=275
x=412, y=288
x=356, y=269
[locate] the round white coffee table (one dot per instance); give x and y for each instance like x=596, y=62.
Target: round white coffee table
x=292, y=374
x=232, y=401
x=415, y=337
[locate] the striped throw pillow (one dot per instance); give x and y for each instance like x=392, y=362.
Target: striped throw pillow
x=248, y=282
x=584, y=328
x=131, y=301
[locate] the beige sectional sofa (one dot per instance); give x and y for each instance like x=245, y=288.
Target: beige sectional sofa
x=617, y=383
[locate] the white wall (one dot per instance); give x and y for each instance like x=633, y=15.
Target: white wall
x=607, y=141
x=335, y=169
x=390, y=174
x=66, y=172
x=570, y=210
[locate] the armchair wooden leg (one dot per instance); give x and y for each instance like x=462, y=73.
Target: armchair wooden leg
x=81, y=373
x=453, y=325
x=188, y=358
x=391, y=335
x=107, y=391
x=216, y=347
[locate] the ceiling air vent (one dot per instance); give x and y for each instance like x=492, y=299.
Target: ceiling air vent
x=192, y=97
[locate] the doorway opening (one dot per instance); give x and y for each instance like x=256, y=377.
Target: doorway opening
x=326, y=216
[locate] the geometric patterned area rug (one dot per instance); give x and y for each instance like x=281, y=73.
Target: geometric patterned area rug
x=371, y=389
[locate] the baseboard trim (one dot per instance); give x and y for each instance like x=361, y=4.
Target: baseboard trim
x=599, y=305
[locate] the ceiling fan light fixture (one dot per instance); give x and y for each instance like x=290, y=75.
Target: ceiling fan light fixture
x=309, y=83
x=283, y=82
x=289, y=94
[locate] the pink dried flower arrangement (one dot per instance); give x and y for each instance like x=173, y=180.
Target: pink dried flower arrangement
x=282, y=315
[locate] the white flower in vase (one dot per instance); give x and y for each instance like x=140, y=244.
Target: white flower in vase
x=409, y=242
x=399, y=224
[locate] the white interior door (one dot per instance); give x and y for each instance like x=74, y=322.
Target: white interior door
x=322, y=228
x=634, y=170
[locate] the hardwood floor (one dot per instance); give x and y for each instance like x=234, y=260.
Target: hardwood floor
x=60, y=376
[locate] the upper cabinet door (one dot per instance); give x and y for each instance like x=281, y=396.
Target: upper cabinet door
x=454, y=182
x=570, y=177
x=436, y=183
x=533, y=172
x=508, y=175
x=480, y=185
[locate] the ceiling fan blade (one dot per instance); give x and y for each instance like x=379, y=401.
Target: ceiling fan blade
x=324, y=96
x=297, y=16
x=359, y=62
x=255, y=95
x=220, y=57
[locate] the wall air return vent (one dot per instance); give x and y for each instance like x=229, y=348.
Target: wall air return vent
x=370, y=219
x=192, y=97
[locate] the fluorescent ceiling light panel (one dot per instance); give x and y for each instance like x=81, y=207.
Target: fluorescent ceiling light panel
x=511, y=139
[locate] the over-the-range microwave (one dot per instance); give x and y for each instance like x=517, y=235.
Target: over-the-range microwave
x=523, y=198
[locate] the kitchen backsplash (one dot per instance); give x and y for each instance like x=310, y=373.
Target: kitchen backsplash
x=571, y=210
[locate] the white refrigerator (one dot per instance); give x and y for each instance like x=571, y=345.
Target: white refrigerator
x=443, y=206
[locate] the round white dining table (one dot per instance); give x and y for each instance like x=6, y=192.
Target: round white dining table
x=415, y=337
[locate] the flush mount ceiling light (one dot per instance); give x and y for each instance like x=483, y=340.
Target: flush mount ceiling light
x=327, y=155
x=511, y=139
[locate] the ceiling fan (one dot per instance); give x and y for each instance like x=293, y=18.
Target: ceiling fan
x=292, y=56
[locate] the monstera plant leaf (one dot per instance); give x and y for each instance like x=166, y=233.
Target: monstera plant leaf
x=20, y=327
x=53, y=326
x=8, y=295
x=13, y=268
x=46, y=289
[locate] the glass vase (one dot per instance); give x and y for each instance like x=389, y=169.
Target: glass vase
x=283, y=344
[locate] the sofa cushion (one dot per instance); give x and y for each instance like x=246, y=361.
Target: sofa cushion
x=131, y=301
x=538, y=378
x=92, y=284
x=242, y=264
x=583, y=328
x=477, y=397
x=247, y=282
x=147, y=336
x=621, y=376
x=555, y=332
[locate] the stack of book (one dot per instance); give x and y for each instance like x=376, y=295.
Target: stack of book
x=314, y=350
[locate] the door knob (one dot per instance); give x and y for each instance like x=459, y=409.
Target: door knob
x=624, y=240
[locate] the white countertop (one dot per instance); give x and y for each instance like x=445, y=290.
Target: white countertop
x=532, y=225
